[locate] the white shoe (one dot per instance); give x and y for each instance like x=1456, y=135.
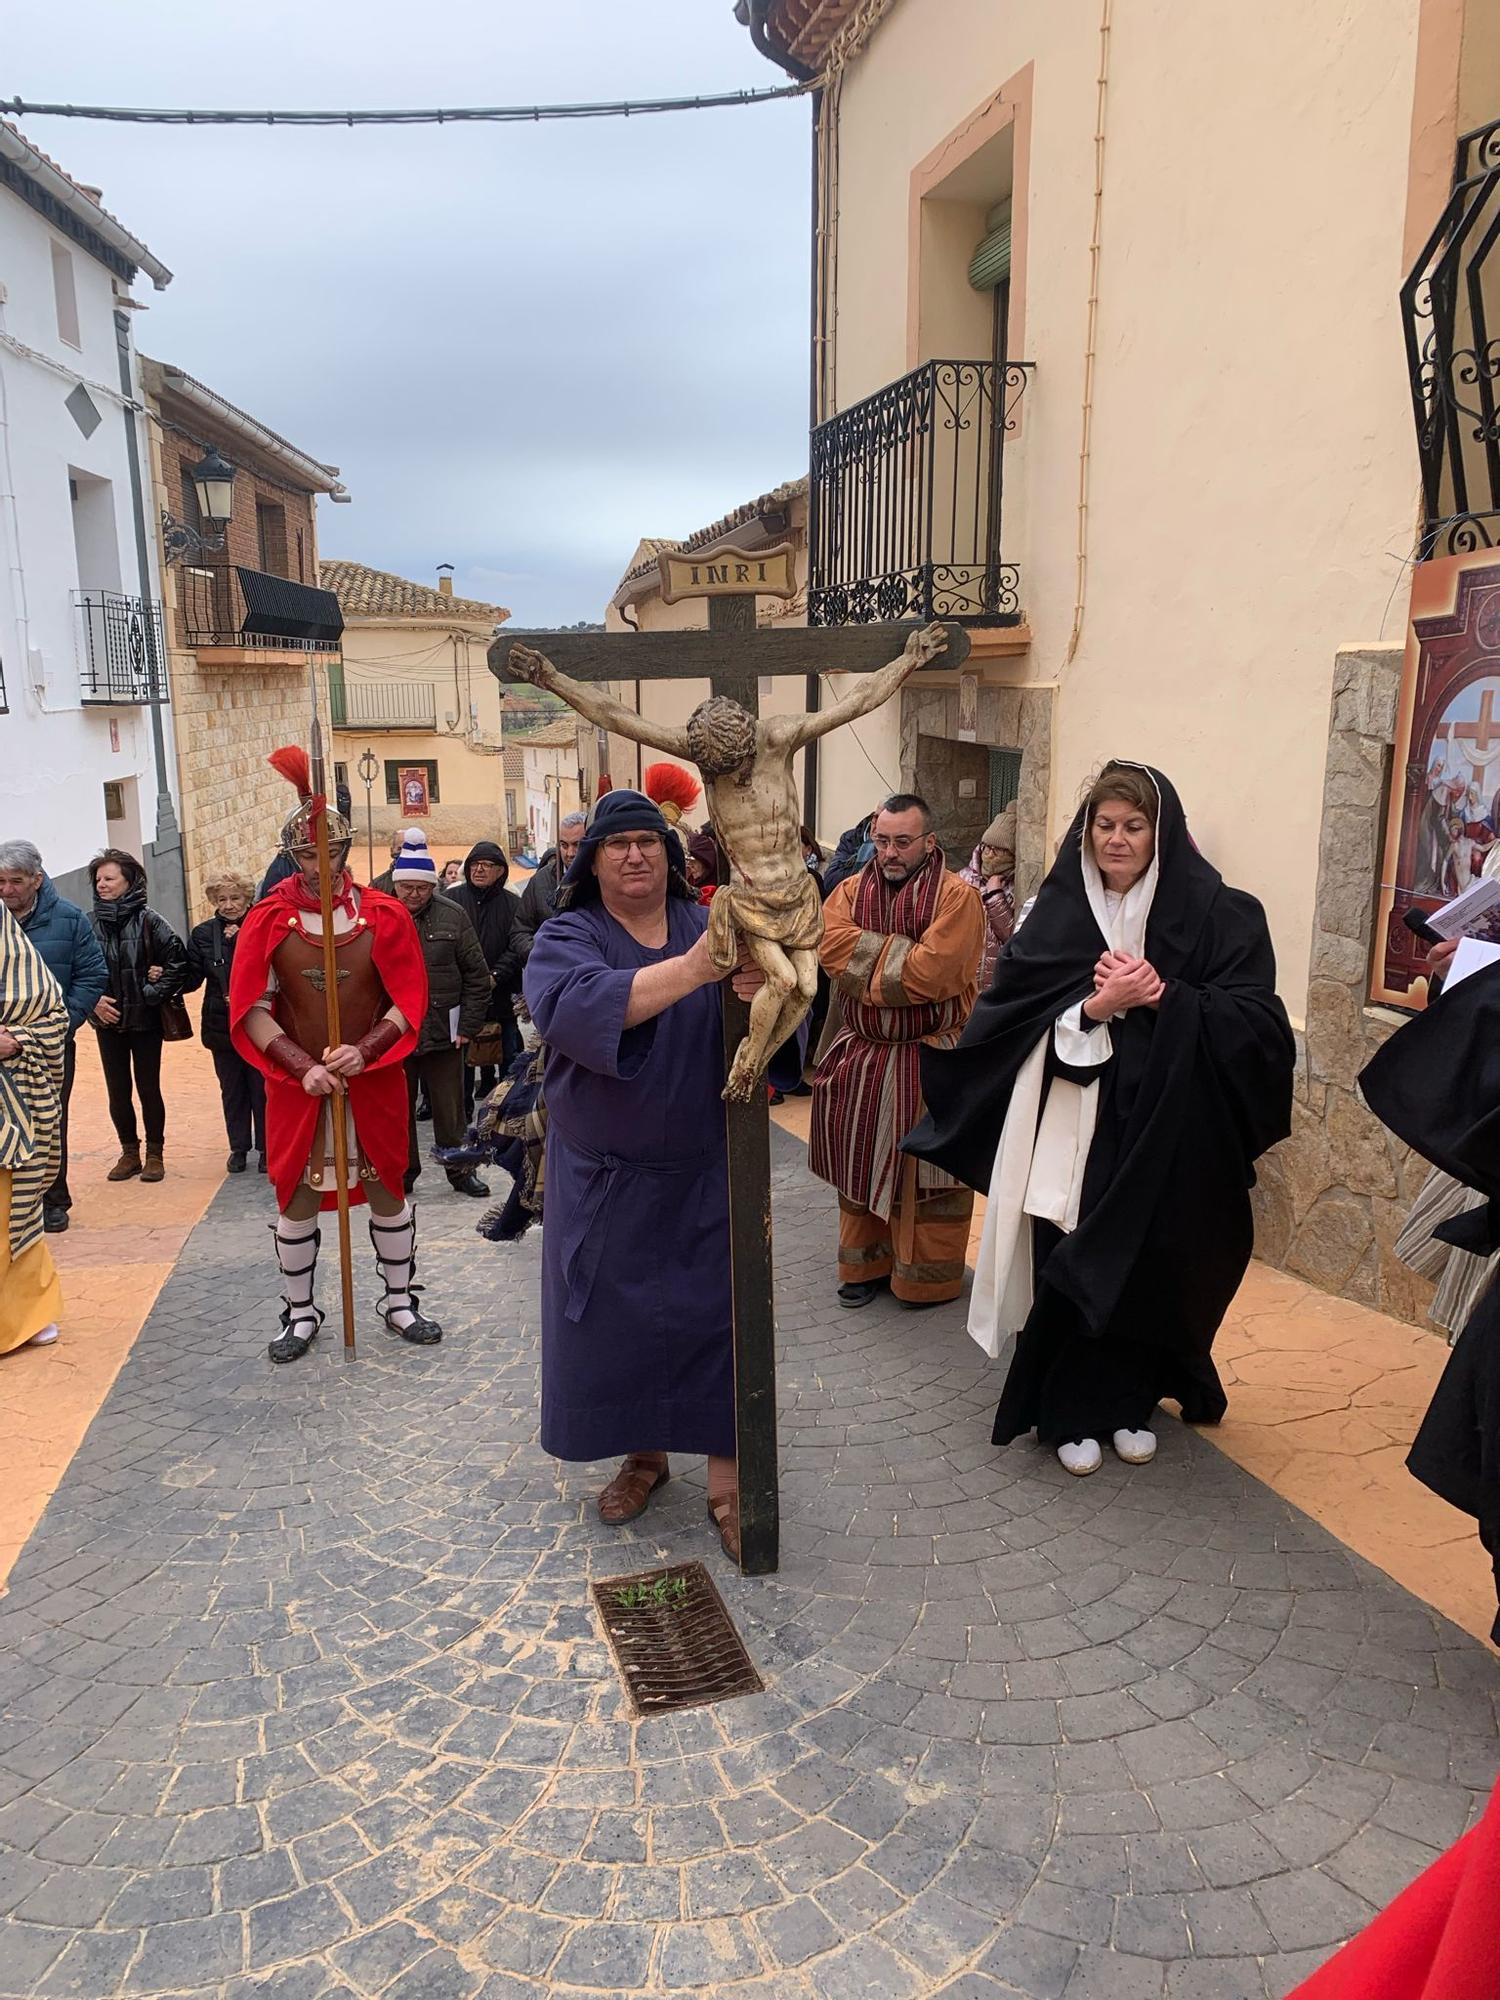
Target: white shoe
x=1135, y=1447
x=45, y=1338
x=1080, y=1459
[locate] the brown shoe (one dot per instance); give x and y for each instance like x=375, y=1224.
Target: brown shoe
x=127, y=1166
x=724, y=1512
x=626, y=1496
x=154, y=1170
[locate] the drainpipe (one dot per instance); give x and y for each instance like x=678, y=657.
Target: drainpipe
x=813, y=695
x=167, y=844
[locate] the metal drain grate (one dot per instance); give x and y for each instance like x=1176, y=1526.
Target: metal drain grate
x=673, y=1640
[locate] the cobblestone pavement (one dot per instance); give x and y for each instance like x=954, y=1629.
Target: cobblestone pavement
x=301, y=1697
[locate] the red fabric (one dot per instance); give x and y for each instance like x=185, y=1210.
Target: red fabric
x=1437, y=1941
x=377, y=1095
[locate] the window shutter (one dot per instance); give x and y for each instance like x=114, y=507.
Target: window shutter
x=990, y=264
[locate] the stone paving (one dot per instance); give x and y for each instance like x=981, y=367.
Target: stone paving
x=301, y=1695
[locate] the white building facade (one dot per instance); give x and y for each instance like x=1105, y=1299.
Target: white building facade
x=86, y=743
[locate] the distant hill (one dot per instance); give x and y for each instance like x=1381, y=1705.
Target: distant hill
x=527, y=708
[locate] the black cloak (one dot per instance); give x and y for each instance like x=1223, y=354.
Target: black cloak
x=1436, y=1084
x=493, y=913
x=1194, y=1091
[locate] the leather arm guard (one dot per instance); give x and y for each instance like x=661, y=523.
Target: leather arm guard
x=384, y=1035
x=290, y=1057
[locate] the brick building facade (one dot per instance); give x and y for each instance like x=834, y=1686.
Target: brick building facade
x=237, y=693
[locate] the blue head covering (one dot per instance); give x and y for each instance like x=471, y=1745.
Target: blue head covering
x=620, y=812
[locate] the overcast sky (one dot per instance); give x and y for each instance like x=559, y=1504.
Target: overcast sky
x=525, y=346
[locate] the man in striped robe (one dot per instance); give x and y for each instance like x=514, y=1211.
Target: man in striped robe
x=901, y=943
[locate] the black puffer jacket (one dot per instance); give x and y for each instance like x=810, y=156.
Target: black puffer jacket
x=457, y=975
x=494, y=912
x=133, y=937
x=210, y=952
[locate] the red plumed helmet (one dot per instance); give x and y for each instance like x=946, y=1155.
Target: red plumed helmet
x=671, y=787
x=291, y=761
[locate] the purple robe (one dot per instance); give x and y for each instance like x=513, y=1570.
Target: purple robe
x=637, y=1340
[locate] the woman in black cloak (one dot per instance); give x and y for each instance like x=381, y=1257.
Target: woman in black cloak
x=1110, y=1095
x=1436, y=1084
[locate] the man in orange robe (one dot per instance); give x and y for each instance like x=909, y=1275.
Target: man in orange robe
x=901, y=943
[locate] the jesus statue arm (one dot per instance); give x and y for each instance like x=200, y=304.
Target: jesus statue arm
x=525, y=663
x=868, y=692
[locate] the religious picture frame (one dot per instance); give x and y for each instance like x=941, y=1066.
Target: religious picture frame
x=416, y=801
x=1442, y=829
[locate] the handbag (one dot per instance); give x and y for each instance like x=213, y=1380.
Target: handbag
x=176, y=1022
x=487, y=1048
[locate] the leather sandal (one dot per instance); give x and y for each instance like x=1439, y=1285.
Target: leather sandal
x=629, y=1492
x=724, y=1512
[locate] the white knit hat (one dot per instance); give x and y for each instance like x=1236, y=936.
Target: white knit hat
x=414, y=863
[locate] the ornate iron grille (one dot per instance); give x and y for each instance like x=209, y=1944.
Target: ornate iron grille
x=1450, y=314
x=225, y=605
x=121, y=655
x=906, y=500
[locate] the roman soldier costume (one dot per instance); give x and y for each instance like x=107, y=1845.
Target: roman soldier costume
x=279, y=970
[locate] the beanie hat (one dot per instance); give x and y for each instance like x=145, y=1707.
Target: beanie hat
x=414, y=863
x=1001, y=831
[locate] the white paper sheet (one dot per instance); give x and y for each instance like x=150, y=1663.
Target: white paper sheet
x=1473, y=955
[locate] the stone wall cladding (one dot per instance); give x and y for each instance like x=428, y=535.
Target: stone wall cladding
x=1332, y=1198
x=1009, y=718
x=229, y=719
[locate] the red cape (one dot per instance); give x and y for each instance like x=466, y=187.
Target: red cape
x=1437, y=1941
x=377, y=1096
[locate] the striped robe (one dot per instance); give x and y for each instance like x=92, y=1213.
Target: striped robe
x=905, y=962
x=31, y=1008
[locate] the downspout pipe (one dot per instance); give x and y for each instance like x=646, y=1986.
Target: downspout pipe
x=813, y=694
x=752, y=14
x=167, y=843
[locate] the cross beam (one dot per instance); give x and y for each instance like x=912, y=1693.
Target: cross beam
x=704, y=654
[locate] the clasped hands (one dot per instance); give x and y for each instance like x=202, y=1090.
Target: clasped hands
x=331, y=1074
x=1121, y=982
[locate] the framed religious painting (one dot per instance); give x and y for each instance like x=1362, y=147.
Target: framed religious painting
x=1443, y=808
x=416, y=801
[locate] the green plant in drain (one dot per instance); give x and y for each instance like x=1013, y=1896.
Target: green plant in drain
x=667, y=1593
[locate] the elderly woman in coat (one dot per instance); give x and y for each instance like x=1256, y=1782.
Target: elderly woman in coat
x=33, y=1032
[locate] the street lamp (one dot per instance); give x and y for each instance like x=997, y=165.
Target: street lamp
x=213, y=489
x=213, y=485
x=369, y=769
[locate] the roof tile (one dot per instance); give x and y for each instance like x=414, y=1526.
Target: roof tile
x=376, y=593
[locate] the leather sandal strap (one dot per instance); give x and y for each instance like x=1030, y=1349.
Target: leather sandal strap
x=724, y=1512
x=627, y=1493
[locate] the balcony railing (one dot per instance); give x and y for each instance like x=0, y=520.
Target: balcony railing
x=382, y=704
x=248, y=609
x=906, y=500
x=1453, y=358
x=121, y=656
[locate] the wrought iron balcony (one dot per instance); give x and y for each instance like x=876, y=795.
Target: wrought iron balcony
x=906, y=497
x=1453, y=358
x=227, y=607
x=381, y=704
x=121, y=656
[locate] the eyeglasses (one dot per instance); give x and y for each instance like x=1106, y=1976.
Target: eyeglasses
x=618, y=845
x=902, y=842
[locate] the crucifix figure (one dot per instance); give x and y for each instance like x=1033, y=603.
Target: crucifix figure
x=771, y=904
x=752, y=799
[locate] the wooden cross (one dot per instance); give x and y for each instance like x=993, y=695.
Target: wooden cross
x=732, y=655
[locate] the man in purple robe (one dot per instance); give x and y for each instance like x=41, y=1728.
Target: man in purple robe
x=637, y=1325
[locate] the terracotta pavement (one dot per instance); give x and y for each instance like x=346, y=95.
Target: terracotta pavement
x=1324, y=1395
x=1324, y=1399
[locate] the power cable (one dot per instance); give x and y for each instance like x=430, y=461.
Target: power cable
x=494, y=114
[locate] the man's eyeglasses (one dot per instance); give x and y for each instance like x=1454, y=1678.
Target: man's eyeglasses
x=902, y=842
x=618, y=845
